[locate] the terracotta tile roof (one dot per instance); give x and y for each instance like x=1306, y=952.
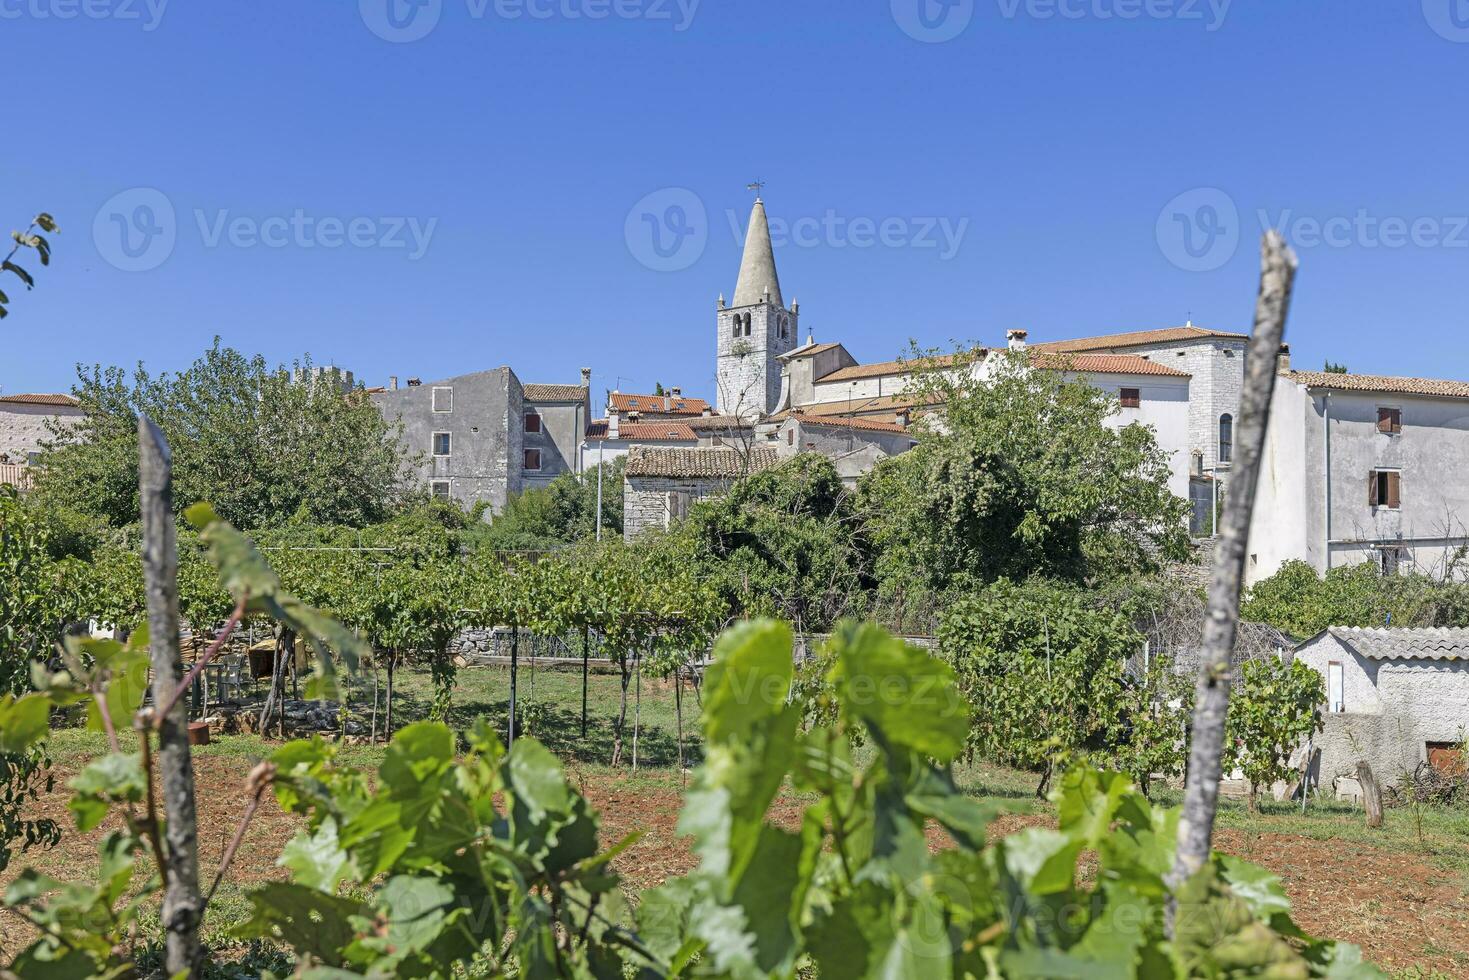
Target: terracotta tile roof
x=1440, y=643
x=1381, y=383
x=65, y=401
x=849, y=422
x=1137, y=338
x=807, y=351
x=662, y=404
x=719, y=463
x=1103, y=364
x=15, y=476
x=554, y=393
x=720, y=423
x=888, y=404
x=643, y=432
x=859, y=371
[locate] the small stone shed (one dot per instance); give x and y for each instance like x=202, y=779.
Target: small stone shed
x=1395, y=698
x=660, y=483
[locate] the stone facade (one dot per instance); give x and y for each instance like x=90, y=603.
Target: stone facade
x=24, y=424
x=657, y=501
x=751, y=339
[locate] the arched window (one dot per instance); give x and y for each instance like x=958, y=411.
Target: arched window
x=736, y=325
x=747, y=324
x=1226, y=438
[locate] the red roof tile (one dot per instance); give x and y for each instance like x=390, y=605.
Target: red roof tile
x=906, y=366
x=670, y=431
x=659, y=404
x=693, y=463
x=65, y=401
x=554, y=393
x=1138, y=338
x=1103, y=364
x=1381, y=383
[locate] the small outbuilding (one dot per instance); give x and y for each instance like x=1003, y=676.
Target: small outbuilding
x=1395, y=698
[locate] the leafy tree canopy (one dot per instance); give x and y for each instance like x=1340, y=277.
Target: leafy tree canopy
x=260, y=445
x=1298, y=601
x=551, y=517
x=1023, y=472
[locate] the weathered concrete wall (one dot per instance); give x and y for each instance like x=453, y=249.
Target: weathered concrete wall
x=1394, y=708
x=485, y=428
x=22, y=427
x=563, y=432
x=1431, y=454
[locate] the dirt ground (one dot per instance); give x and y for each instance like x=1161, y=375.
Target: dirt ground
x=1404, y=912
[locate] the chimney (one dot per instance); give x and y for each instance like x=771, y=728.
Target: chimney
x=676, y=391
x=1282, y=361
x=903, y=417
x=1016, y=338
x=415, y=382
x=612, y=425
x=392, y=382
x=586, y=377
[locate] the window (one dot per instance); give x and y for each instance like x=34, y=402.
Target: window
x=1226, y=438
x=1132, y=398
x=790, y=437
x=1390, y=560
x=442, y=442
x=1390, y=420
x=441, y=489
x=532, y=459
x=33, y=458
x=532, y=422
x=747, y=324
x=1335, y=688
x=1384, y=489
x=443, y=401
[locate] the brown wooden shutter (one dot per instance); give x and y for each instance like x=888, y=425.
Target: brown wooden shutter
x=1384, y=420
x=1132, y=398
x=1372, y=489
x=1394, y=488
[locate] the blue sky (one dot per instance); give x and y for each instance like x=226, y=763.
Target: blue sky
x=477, y=196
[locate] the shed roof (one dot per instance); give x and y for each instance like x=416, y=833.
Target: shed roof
x=1381, y=383
x=670, y=431
x=1429, y=643
x=1139, y=338
x=678, y=462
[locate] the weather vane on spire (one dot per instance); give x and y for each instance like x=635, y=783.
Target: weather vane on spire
x=758, y=186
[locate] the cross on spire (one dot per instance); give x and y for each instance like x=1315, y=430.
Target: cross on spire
x=758, y=186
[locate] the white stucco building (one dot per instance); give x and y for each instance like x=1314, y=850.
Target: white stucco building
x=1364, y=468
x=1394, y=698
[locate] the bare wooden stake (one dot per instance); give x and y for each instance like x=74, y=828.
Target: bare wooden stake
x=1211, y=703
x=1371, y=794
x=183, y=906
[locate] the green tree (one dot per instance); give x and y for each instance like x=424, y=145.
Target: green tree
x=1022, y=472
x=554, y=516
x=1301, y=603
x=1043, y=672
x=785, y=543
x=257, y=443
x=1275, y=709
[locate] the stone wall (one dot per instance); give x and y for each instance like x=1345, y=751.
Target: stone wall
x=655, y=501
x=749, y=376
x=22, y=427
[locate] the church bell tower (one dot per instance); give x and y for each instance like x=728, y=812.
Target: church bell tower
x=755, y=329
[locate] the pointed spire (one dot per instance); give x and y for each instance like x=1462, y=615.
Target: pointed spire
x=758, y=278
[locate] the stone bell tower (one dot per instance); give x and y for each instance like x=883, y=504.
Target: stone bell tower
x=755, y=329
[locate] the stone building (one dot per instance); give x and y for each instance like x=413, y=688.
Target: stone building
x=1364, y=468
x=1394, y=698
x=661, y=483
x=755, y=330
x=25, y=422
x=485, y=436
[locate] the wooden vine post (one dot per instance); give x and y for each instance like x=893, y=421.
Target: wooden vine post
x=1211, y=703
x=183, y=906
